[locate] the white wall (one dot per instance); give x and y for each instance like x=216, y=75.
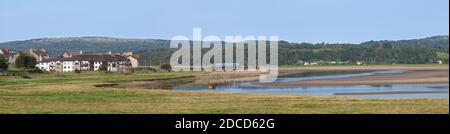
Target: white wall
x=68, y=66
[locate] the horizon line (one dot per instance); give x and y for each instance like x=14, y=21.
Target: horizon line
x=132, y=38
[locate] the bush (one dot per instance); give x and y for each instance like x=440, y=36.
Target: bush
x=24, y=74
x=166, y=66
x=35, y=70
x=152, y=69
x=3, y=65
x=25, y=61
x=77, y=71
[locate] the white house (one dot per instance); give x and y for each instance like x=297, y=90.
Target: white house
x=113, y=63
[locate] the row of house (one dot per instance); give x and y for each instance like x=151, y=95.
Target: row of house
x=78, y=61
x=112, y=63
x=11, y=55
x=133, y=59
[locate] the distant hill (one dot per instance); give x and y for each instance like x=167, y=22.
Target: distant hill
x=93, y=44
x=156, y=51
x=431, y=42
x=57, y=46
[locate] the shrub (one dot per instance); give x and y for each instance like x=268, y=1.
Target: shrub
x=3, y=65
x=25, y=61
x=77, y=71
x=166, y=66
x=152, y=69
x=24, y=74
x=35, y=70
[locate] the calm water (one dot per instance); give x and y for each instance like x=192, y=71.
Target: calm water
x=333, y=75
x=369, y=91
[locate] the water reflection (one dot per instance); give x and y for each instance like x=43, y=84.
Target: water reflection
x=371, y=91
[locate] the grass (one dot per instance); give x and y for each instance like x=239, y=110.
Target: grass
x=88, y=77
x=76, y=93
x=86, y=99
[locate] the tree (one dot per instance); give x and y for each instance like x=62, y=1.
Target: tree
x=166, y=66
x=3, y=65
x=25, y=61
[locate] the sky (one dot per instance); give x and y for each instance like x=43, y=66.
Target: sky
x=331, y=21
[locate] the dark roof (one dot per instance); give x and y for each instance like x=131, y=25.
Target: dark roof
x=55, y=59
x=8, y=53
x=82, y=53
x=105, y=57
x=93, y=58
x=39, y=52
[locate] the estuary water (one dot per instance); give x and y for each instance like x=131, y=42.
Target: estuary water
x=365, y=91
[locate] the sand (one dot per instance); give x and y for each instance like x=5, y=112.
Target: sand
x=417, y=75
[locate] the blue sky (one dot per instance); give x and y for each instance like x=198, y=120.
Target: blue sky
x=332, y=21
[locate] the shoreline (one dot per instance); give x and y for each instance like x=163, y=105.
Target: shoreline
x=390, y=93
x=415, y=75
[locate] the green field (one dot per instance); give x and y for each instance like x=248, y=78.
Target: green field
x=76, y=93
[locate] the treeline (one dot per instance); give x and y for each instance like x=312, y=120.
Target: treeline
x=297, y=54
x=57, y=46
x=154, y=52
x=351, y=54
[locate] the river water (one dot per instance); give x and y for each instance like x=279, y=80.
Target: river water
x=366, y=91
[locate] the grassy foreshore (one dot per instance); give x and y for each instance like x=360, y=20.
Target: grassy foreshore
x=77, y=93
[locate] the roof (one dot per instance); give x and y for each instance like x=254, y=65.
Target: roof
x=92, y=58
x=82, y=53
x=39, y=52
x=105, y=57
x=8, y=52
x=55, y=59
x=72, y=53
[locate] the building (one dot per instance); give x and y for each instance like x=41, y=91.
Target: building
x=10, y=55
x=83, y=62
x=359, y=63
x=39, y=54
x=225, y=66
x=134, y=59
x=70, y=54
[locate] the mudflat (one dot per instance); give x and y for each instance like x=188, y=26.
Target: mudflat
x=416, y=75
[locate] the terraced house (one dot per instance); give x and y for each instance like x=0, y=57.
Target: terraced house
x=87, y=62
x=10, y=55
x=38, y=54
